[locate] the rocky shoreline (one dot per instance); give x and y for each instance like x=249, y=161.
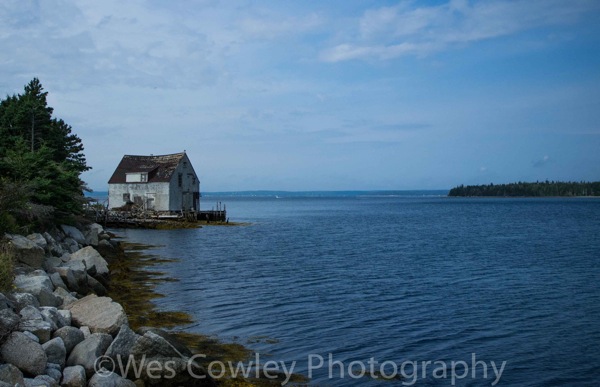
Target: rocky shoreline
x=58, y=327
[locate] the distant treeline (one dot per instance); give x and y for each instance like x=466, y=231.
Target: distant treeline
x=545, y=188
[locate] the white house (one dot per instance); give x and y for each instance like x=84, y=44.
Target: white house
x=161, y=183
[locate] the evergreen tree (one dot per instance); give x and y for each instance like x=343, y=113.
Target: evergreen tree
x=41, y=151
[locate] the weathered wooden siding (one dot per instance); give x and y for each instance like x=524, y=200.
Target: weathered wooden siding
x=182, y=192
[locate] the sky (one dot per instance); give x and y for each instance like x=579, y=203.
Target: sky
x=320, y=95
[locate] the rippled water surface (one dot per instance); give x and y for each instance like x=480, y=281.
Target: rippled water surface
x=399, y=279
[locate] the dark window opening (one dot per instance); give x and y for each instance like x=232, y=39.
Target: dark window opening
x=126, y=197
x=180, y=180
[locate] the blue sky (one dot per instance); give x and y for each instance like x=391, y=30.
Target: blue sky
x=320, y=95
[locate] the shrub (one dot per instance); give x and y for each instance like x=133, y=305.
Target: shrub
x=7, y=274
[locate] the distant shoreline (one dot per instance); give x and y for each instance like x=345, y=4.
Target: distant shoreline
x=524, y=189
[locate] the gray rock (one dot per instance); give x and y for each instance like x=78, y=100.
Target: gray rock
x=88, y=351
x=178, y=345
x=73, y=377
x=54, y=248
x=33, y=321
x=64, y=318
x=76, y=280
x=122, y=344
x=86, y=331
x=111, y=380
x=96, y=286
x=38, y=239
x=91, y=237
x=31, y=313
x=152, y=345
x=91, y=258
x=22, y=300
x=51, y=262
x=104, y=236
x=100, y=314
x=66, y=257
x=46, y=380
x=105, y=247
x=54, y=372
x=174, y=372
x=39, y=284
x=9, y=321
x=57, y=281
x=31, y=336
x=26, y=251
x=70, y=245
x=50, y=314
x=74, y=233
x=70, y=336
x=24, y=353
x=5, y=303
x=65, y=296
x=56, y=352
x=11, y=375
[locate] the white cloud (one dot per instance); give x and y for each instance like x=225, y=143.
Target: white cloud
x=411, y=29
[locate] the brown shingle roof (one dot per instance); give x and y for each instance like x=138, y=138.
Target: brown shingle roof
x=159, y=168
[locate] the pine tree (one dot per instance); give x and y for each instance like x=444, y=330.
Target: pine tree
x=41, y=151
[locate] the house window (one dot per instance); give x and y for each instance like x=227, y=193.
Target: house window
x=126, y=197
x=180, y=179
x=185, y=164
x=143, y=177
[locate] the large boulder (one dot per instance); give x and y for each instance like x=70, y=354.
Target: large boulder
x=9, y=321
x=91, y=236
x=24, y=353
x=26, y=251
x=38, y=239
x=178, y=345
x=96, y=287
x=54, y=371
x=39, y=284
x=56, y=352
x=163, y=364
x=74, y=233
x=33, y=321
x=22, y=300
x=70, y=336
x=11, y=375
x=153, y=345
x=121, y=346
x=41, y=380
x=74, y=277
x=91, y=258
x=110, y=380
x=66, y=297
x=52, y=246
x=73, y=376
x=88, y=351
x=100, y=314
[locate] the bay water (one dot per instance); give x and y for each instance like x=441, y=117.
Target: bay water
x=420, y=288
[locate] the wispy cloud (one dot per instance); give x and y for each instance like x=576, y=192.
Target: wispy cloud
x=542, y=162
x=411, y=29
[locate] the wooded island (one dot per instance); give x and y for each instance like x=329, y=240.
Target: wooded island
x=537, y=189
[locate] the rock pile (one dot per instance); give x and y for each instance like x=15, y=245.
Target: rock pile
x=59, y=328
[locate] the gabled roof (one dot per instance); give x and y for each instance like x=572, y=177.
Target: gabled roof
x=159, y=168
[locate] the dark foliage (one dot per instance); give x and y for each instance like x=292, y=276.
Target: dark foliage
x=39, y=152
x=545, y=188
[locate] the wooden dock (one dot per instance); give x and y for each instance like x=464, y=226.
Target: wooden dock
x=137, y=217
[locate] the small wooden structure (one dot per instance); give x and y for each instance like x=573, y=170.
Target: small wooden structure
x=166, y=183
